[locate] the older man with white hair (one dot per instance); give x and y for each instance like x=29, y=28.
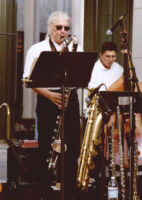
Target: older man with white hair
x=49, y=104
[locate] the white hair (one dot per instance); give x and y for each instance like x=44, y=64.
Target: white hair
x=54, y=16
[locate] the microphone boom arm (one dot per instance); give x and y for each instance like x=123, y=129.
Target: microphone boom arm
x=109, y=31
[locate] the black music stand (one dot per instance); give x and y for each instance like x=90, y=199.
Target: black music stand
x=122, y=99
x=70, y=69
x=50, y=68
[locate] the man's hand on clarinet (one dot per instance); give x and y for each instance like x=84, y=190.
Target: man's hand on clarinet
x=56, y=98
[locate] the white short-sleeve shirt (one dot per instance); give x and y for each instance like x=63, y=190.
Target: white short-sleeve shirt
x=102, y=75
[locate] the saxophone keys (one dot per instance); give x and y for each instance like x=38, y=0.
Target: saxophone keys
x=50, y=152
x=92, y=166
x=58, y=117
x=57, y=122
x=55, y=131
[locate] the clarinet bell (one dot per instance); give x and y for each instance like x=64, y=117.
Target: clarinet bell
x=56, y=145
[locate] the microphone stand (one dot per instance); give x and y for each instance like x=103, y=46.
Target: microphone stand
x=63, y=142
x=130, y=81
x=63, y=77
x=106, y=114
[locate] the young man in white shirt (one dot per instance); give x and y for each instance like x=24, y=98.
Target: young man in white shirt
x=106, y=70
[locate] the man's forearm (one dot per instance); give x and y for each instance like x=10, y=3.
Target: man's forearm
x=42, y=91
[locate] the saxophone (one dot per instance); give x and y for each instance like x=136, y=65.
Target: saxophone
x=90, y=141
x=56, y=144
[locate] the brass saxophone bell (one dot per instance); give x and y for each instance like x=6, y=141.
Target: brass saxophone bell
x=56, y=145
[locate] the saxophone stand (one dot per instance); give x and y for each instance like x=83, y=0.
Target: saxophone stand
x=106, y=114
x=130, y=81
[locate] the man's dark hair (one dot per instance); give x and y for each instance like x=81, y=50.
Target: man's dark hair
x=111, y=46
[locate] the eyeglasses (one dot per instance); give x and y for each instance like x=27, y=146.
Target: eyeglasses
x=110, y=57
x=59, y=27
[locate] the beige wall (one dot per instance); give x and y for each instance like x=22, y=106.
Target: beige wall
x=78, y=30
x=137, y=38
x=78, y=19
x=31, y=36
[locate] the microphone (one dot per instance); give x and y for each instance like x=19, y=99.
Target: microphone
x=109, y=31
x=88, y=100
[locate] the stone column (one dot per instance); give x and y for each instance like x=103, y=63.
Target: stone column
x=78, y=30
x=78, y=19
x=64, y=5
x=31, y=36
x=136, y=40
